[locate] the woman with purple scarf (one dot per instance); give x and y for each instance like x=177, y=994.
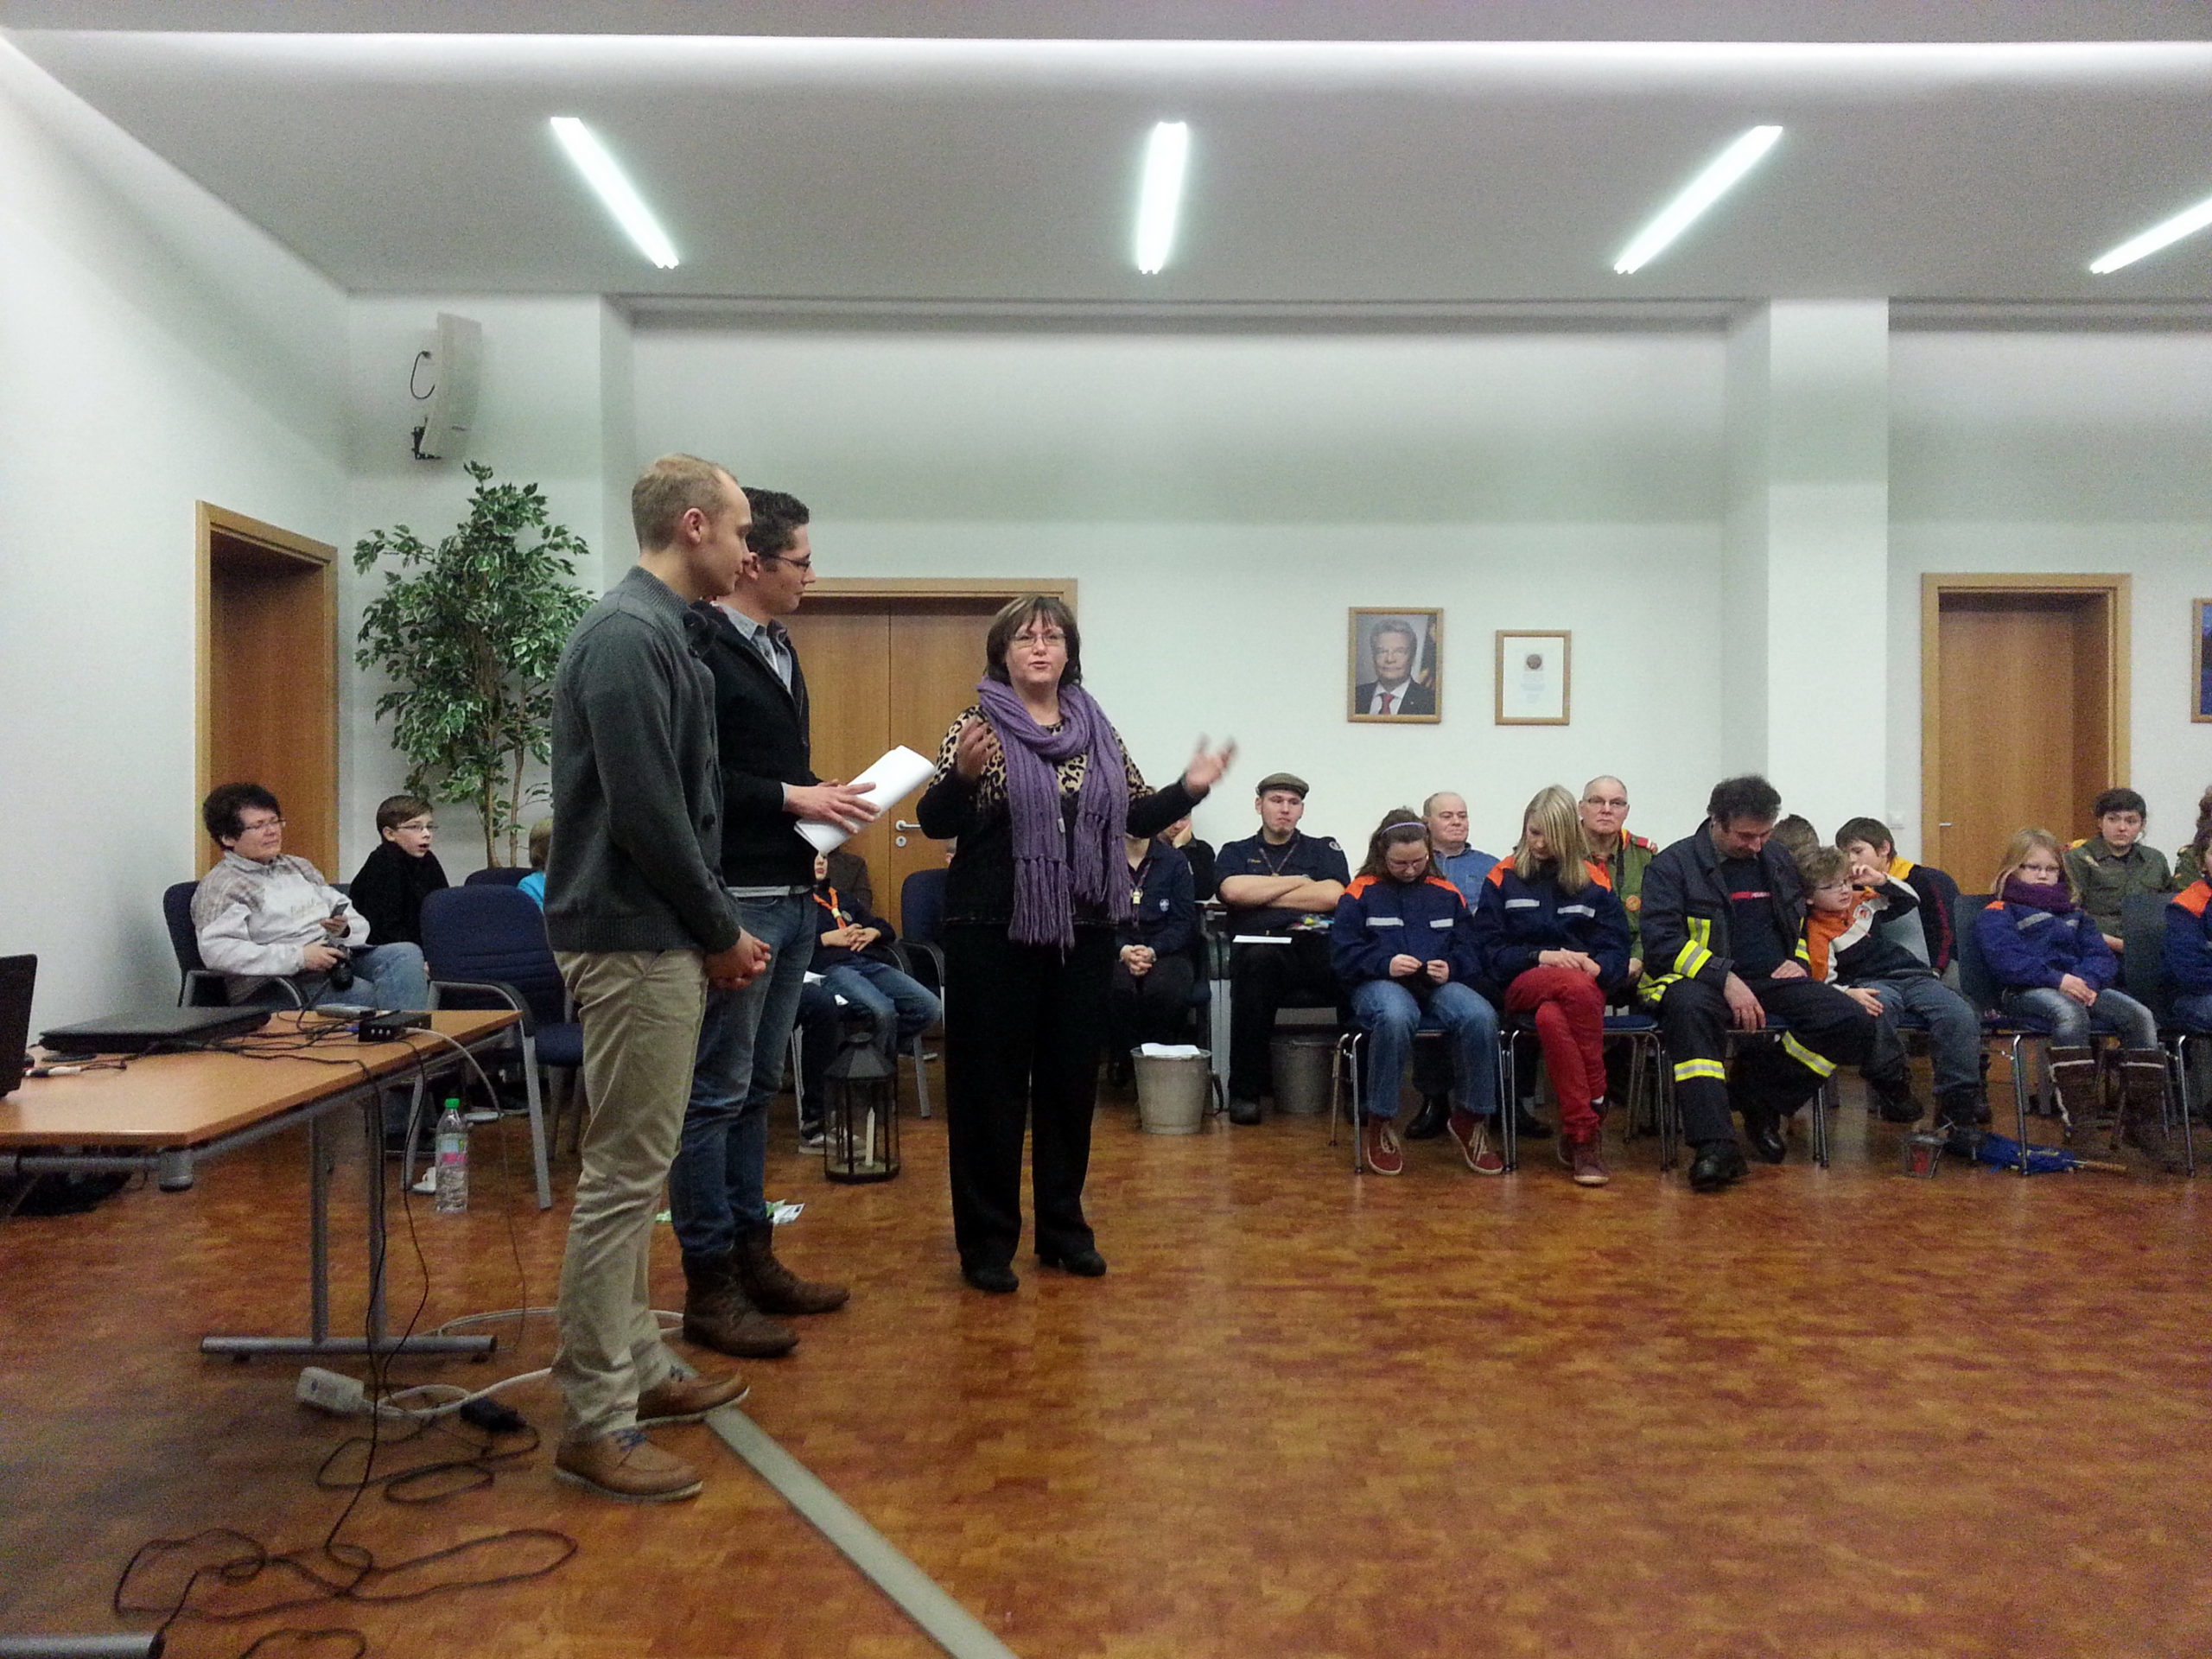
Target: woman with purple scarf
x=1034, y=783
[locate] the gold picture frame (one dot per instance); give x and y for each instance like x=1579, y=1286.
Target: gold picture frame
x=1416, y=697
x=1535, y=678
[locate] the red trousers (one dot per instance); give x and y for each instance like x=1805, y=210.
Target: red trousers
x=1570, y=1012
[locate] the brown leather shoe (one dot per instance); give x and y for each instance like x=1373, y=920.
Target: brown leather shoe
x=687, y=1399
x=718, y=1315
x=774, y=1288
x=627, y=1466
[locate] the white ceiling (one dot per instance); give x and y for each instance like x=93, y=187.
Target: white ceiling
x=1348, y=155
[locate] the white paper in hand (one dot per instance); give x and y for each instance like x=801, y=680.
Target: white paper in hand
x=884, y=784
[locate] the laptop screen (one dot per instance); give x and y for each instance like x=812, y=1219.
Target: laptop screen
x=16, y=974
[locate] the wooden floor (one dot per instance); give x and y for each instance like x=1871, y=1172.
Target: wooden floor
x=1833, y=1414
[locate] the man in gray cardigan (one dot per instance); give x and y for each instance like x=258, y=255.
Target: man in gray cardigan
x=636, y=913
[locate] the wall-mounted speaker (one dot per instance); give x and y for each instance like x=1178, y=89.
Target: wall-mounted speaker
x=443, y=384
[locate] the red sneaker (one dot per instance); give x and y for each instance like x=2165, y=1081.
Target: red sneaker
x=1379, y=1141
x=1588, y=1164
x=1472, y=1136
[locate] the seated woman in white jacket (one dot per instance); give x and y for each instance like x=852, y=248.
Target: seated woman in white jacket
x=262, y=916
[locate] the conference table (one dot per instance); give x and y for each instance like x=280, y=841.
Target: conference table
x=167, y=1113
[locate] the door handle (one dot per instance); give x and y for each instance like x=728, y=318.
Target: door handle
x=1943, y=826
x=901, y=823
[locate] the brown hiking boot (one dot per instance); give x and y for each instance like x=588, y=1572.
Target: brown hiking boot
x=1588, y=1163
x=627, y=1466
x=2142, y=1082
x=718, y=1315
x=2074, y=1080
x=687, y=1399
x=774, y=1288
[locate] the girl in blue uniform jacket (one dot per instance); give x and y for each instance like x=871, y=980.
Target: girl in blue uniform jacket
x=1403, y=945
x=2051, y=958
x=1554, y=946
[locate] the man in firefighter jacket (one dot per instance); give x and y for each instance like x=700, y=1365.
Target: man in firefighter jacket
x=1723, y=927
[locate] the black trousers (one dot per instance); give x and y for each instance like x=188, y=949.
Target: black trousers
x=1262, y=978
x=1154, y=1007
x=1022, y=1029
x=1773, y=1075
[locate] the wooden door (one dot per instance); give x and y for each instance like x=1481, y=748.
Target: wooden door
x=2025, y=719
x=889, y=664
x=269, y=676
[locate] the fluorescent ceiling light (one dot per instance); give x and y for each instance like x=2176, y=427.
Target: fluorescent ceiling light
x=1166, y=153
x=1702, y=192
x=2158, y=236
x=606, y=176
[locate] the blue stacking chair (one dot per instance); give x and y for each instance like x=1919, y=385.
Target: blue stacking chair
x=2142, y=920
x=497, y=876
x=200, y=986
x=1647, y=1058
x=485, y=946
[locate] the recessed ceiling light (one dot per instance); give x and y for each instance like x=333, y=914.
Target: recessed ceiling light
x=1699, y=195
x=604, y=175
x=1160, y=200
x=2158, y=236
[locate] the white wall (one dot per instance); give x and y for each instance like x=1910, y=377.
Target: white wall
x=2060, y=452
x=1224, y=500
x=155, y=350
x=554, y=410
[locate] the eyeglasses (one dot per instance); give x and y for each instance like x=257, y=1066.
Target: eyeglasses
x=1049, y=637
x=1599, y=800
x=1833, y=886
x=418, y=824
x=259, y=824
x=806, y=563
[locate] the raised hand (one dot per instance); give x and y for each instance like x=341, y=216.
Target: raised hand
x=1207, y=767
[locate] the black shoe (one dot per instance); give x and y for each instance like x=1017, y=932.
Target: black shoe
x=1428, y=1123
x=1529, y=1126
x=1718, y=1164
x=999, y=1281
x=1084, y=1264
x=1243, y=1111
x=1764, y=1130
x=1894, y=1098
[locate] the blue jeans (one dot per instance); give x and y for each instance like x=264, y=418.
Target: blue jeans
x=717, y=1186
x=1953, y=1028
x=1388, y=1015
x=898, y=1006
x=2070, y=1023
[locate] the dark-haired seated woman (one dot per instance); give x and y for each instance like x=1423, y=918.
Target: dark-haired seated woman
x=1033, y=781
x=1403, y=946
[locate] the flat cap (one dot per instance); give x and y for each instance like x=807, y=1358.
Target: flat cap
x=1288, y=780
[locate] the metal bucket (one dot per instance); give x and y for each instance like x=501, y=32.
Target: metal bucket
x=1173, y=1093
x=1301, y=1066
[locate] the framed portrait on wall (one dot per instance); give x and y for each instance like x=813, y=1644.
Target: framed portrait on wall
x=1535, y=687
x=1395, y=668
x=2201, y=632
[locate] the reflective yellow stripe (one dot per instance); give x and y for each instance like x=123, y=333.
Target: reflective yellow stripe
x=1685, y=1070
x=1700, y=928
x=1692, y=961
x=1805, y=1056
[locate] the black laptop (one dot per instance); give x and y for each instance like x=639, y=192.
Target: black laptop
x=156, y=1028
x=16, y=974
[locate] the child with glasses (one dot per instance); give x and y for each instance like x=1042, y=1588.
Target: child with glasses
x=394, y=880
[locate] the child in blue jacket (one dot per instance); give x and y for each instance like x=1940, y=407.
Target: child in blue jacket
x=2058, y=971
x=1402, y=945
x=1554, y=944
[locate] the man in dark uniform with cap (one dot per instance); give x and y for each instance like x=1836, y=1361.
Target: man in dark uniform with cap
x=1281, y=886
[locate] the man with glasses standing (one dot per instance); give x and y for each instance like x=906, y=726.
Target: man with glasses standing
x=718, y=1197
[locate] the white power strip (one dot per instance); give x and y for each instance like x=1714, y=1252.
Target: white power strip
x=330, y=1391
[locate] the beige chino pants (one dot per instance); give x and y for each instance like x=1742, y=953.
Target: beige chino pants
x=640, y=1011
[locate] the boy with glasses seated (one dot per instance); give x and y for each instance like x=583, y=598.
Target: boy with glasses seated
x=394, y=881
x=1847, y=902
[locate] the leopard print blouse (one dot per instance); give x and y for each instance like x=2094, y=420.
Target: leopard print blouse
x=990, y=788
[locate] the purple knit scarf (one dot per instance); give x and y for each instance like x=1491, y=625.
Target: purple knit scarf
x=2054, y=898
x=1045, y=893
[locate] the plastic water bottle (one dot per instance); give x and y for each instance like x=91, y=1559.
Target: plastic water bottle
x=452, y=1160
